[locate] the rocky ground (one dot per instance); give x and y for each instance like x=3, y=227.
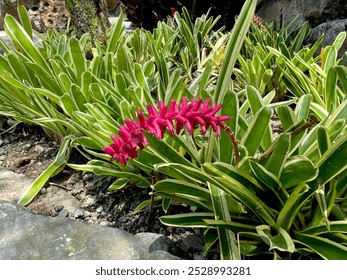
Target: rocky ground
x=27, y=150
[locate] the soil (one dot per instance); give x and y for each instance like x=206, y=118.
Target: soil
x=29, y=151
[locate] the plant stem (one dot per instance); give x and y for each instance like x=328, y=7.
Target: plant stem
x=231, y=134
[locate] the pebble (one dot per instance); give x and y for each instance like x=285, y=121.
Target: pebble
x=58, y=208
x=87, y=214
x=43, y=191
x=38, y=149
x=89, y=201
x=99, y=209
x=78, y=213
x=63, y=213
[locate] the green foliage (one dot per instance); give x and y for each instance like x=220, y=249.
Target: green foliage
x=284, y=196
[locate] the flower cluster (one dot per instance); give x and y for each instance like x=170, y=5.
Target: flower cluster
x=173, y=118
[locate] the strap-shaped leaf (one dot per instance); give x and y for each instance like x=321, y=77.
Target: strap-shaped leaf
x=256, y=130
x=233, y=48
x=292, y=206
x=280, y=241
x=279, y=155
x=20, y=37
x=332, y=162
x=227, y=240
x=324, y=247
x=53, y=168
x=324, y=142
x=335, y=226
x=298, y=170
x=240, y=192
x=278, y=193
x=173, y=186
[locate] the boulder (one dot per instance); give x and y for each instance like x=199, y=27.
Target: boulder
x=330, y=30
x=25, y=236
x=313, y=11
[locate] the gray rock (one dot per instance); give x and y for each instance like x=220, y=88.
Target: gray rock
x=54, y=196
x=24, y=236
x=313, y=11
x=330, y=30
x=12, y=185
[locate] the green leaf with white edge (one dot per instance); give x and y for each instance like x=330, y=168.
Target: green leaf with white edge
x=227, y=240
x=119, y=184
x=335, y=226
x=322, y=202
x=287, y=116
x=184, y=199
x=233, y=48
x=342, y=74
x=279, y=194
x=194, y=220
x=320, y=111
x=78, y=58
x=240, y=192
x=330, y=94
x=327, y=249
x=280, y=241
x=166, y=151
x=116, y=33
x=173, y=186
x=57, y=165
x=105, y=169
x=330, y=55
x=226, y=148
x=323, y=139
x=339, y=114
x=25, y=20
x=279, y=156
x=241, y=176
x=298, y=170
x=187, y=144
x=254, y=98
x=340, y=40
x=293, y=205
x=331, y=163
x=166, y=202
x=302, y=109
x=193, y=174
x=236, y=227
x=255, y=133
x=20, y=37
x=256, y=103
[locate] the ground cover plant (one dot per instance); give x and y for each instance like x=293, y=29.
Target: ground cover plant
x=186, y=111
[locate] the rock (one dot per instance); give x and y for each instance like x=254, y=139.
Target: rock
x=26, y=236
x=12, y=185
x=112, y=4
x=8, y=7
x=54, y=196
x=53, y=14
x=330, y=30
x=192, y=243
x=313, y=11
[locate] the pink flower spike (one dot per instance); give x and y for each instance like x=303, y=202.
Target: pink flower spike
x=124, y=133
x=152, y=111
x=141, y=118
x=162, y=109
x=196, y=104
x=173, y=118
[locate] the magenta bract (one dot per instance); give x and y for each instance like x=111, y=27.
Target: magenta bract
x=185, y=114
